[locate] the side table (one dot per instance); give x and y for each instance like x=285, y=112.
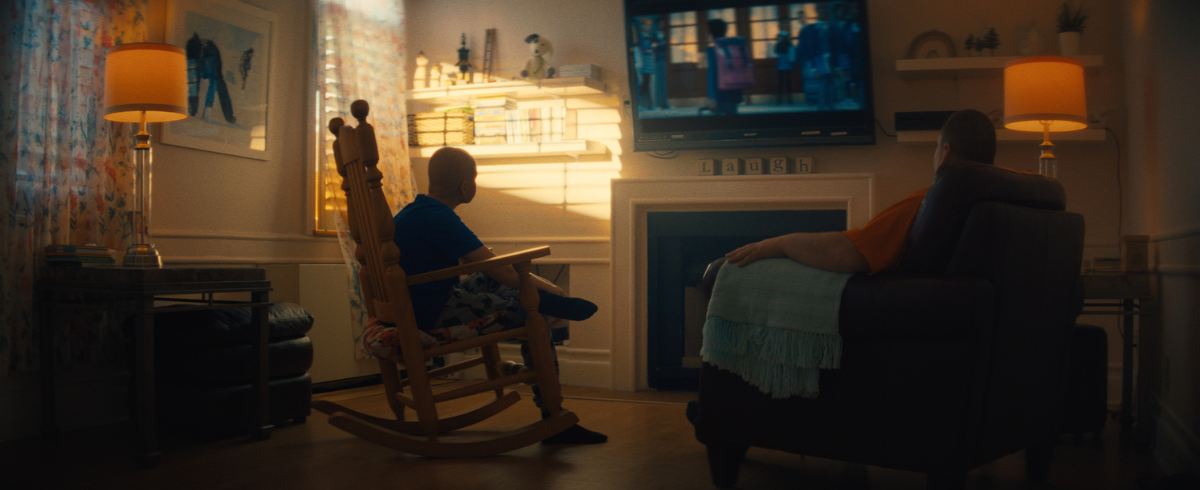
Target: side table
x=1124, y=295
x=137, y=290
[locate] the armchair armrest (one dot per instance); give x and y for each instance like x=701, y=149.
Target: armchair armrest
x=915, y=307
x=482, y=265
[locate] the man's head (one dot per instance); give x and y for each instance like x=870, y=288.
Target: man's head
x=717, y=28
x=452, y=175
x=967, y=135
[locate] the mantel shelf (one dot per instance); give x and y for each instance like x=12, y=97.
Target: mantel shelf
x=970, y=67
x=520, y=150
x=1008, y=136
x=520, y=89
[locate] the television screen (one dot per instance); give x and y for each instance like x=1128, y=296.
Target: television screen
x=747, y=73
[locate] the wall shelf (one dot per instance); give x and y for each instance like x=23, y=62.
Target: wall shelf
x=519, y=150
x=970, y=67
x=1008, y=136
x=520, y=89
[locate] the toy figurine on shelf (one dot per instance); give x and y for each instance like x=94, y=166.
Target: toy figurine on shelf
x=421, y=74
x=464, y=61
x=435, y=76
x=535, y=66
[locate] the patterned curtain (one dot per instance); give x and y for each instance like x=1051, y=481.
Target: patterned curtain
x=361, y=56
x=65, y=170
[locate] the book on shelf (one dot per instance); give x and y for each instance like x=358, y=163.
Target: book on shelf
x=585, y=70
x=536, y=125
x=70, y=249
x=495, y=101
x=78, y=256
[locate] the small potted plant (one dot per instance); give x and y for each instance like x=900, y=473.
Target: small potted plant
x=1070, y=26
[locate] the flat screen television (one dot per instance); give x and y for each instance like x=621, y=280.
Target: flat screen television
x=748, y=73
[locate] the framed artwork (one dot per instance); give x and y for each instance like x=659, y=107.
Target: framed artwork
x=228, y=47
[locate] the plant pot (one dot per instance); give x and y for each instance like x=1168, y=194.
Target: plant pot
x=1068, y=43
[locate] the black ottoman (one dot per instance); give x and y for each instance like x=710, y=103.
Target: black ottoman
x=203, y=361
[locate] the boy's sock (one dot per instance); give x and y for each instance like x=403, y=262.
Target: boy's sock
x=576, y=434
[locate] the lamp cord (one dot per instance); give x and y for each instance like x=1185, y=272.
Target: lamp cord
x=1120, y=191
x=884, y=131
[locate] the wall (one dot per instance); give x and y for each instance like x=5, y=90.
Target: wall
x=217, y=208
x=1163, y=72
x=593, y=32
x=209, y=208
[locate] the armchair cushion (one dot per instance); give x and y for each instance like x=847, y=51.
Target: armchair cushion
x=890, y=306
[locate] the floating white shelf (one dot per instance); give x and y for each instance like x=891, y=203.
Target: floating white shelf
x=970, y=67
x=1008, y=136
x=520, y=89
x=519, y=150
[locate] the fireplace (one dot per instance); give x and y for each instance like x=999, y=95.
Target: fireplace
x=679, y=246
x=637, y=203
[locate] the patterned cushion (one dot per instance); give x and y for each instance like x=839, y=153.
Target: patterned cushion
x=381, y=339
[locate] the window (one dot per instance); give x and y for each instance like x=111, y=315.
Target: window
x=764, y=26
x=684, y=46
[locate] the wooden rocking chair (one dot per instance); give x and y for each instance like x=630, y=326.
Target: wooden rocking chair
x=385, y=289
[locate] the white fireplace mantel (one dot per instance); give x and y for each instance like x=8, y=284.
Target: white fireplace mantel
x=633, y=198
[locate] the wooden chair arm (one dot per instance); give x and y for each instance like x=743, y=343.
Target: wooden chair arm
x=482, y=265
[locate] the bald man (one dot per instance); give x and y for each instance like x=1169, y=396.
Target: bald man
x=431, y=236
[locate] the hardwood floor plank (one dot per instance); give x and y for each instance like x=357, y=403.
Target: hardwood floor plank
x=651, y=446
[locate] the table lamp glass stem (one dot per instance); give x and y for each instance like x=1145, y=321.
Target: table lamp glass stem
x=1047, y=163
x=142, y=253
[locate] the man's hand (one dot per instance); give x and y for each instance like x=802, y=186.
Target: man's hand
x=770, y=248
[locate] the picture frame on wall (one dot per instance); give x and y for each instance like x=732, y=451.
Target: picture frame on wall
x=228, y=47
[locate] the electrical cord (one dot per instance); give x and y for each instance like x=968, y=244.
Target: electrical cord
x=1120, y=190
x=664, y=155
x=884, y=131
x=1120, y=209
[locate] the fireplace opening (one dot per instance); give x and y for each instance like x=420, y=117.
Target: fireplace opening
x=680, y=245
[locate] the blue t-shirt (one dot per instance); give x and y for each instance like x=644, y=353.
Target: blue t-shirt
x=431, y=237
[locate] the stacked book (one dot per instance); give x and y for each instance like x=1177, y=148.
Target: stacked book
x=78, y=256
x=571, y=71
x=538, y=125
x=490, y=119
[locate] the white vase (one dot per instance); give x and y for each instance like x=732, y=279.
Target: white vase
x=1068, y=43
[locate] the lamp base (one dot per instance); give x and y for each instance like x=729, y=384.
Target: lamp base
x=142, y=255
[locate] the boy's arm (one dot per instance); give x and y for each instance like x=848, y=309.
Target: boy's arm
x=832, y=251
x=507, y=275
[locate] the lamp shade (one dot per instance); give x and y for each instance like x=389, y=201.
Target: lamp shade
x=146, y=77
x=1044, y=89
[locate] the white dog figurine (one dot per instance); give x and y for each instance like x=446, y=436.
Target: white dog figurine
x=535, y=67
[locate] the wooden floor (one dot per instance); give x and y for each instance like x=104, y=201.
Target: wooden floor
x=650, y=446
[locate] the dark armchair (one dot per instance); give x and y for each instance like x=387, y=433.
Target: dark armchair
x=954, y=360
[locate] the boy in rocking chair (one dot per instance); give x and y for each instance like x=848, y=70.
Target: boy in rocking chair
x=431, y=237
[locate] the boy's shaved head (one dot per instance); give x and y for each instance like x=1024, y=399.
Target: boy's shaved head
x=448, y=169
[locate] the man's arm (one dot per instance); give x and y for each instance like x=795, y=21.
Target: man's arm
x=507, y=275
x=831, y=251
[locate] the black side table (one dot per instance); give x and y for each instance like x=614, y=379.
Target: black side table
x=1126, y=295
x=136, y=290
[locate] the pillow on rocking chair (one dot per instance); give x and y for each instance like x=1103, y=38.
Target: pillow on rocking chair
x=381, y=340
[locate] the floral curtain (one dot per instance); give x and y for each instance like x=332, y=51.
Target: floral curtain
x=360, y=46
x=65, y=170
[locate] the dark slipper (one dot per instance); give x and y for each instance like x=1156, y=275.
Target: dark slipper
x=576, y=434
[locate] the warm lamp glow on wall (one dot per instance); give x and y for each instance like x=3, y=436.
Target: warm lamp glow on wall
x=1045, y=93
x=143, y=83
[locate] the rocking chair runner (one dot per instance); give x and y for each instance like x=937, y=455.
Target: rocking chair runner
x=385, y=289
